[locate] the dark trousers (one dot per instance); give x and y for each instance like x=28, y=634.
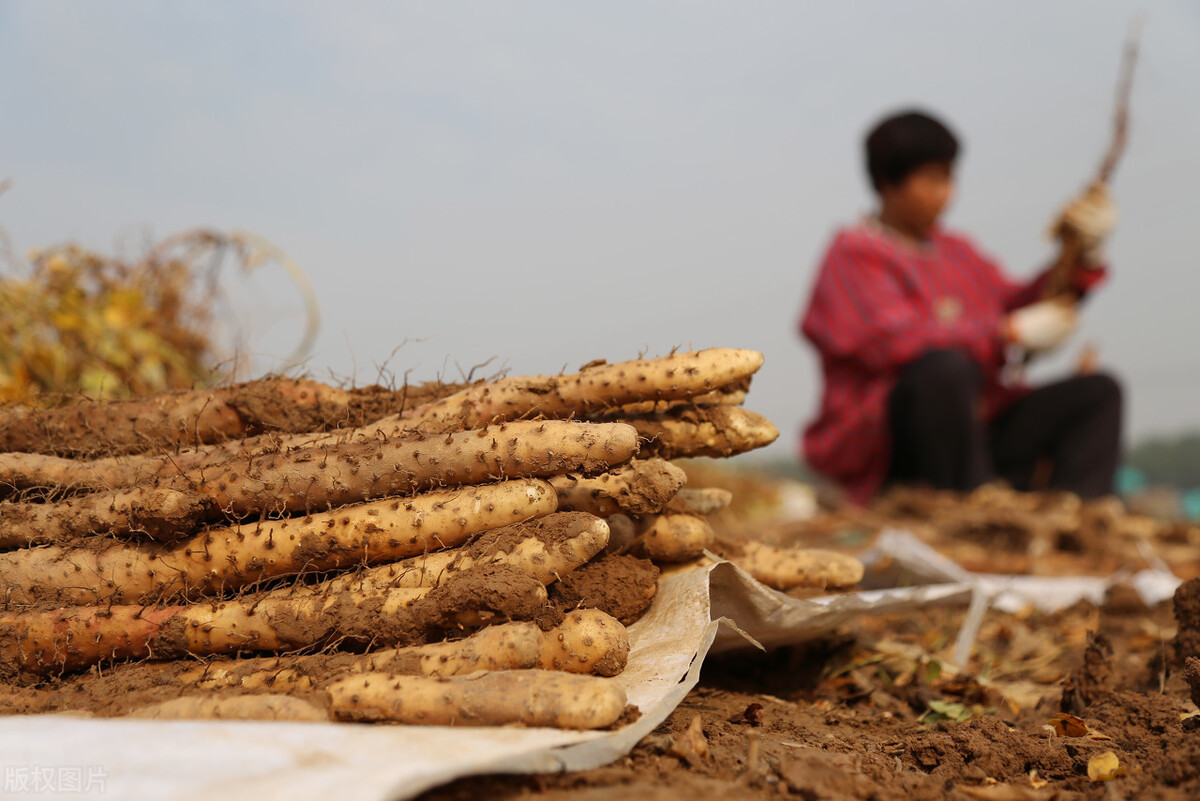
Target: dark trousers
x=939, y=437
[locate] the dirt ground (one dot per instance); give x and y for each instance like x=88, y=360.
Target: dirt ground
x=1084, y=703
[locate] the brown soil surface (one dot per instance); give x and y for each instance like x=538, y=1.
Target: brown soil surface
x=872, y=714
x=876, y=713
x=1187, y=619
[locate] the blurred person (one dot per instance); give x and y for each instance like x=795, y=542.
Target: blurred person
x=918, y=333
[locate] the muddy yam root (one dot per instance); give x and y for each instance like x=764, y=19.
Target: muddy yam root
x=159, y=514
x=504, y=646
x=596, y=387
x=788, y=568
x=638, y=488
x=287, y=619
x=701, y=501
x=674, y=537
x=587, y=641
x=239, y=707
x=715, y=376
x=526, y=697
x=702, y=431
x=176, y=418
x=318, y=479
x=228, y=558
x=547, y=547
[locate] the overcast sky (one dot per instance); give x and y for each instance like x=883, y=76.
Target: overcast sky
x=549, y=182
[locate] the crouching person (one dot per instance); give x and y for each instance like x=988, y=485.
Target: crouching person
x=918, y=334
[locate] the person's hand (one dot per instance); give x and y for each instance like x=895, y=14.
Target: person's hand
x=1091, y=218
x=1043, y=326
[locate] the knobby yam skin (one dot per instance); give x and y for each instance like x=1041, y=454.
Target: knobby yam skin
x=324, y=477
x=317, y=479
x=674, y=537
x=156, y=513
x=700, y=501
x=689, y=431
x=734, y=395
x=547, y=547
x=638, y=488
x=714, y=376
x=174, y=419
x=788, y=568
x=504, y=646
x=228, y=558
x=239, y=707
x=285, y=619
x=706, y=375
x=527, y=697
x=595, y=387
x=587, y=641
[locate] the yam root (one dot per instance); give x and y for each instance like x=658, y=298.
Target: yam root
x=596, y=387
x=788, y=568
x=702, y=431
x=734, y=395
x=234, y=707
x=176, y=418
x=638, y=488
x=527, y=697
x=322, y=478
x=547, y=547
x=587, y=641
x=504, y=646
x=674, y=537
x=701, y=501
x=717, y=375
x=228, y=558
x=69, y=639
x=155, y=513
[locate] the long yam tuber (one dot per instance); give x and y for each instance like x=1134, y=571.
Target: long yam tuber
x=286, y=619
x=321, y=478
x=787, y=568
x=547, y=547
x=528, y=697
x=228, y=558
x=700, y=376
x=176, y=418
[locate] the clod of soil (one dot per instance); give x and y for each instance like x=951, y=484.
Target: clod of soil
x=621, y=585
x=1187, y=617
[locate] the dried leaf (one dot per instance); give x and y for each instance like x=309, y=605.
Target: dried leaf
x=692, y=746
x=1065, y=725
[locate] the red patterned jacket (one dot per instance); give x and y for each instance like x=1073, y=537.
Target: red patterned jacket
x=880, y=302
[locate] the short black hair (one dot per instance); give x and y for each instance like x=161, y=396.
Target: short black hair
x=900, y=144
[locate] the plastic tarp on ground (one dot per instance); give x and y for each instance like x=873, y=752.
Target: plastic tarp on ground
x=696, y=612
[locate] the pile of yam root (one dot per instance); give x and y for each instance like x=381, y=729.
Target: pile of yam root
x=438, y=554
